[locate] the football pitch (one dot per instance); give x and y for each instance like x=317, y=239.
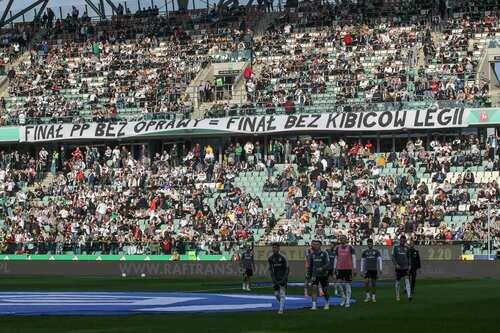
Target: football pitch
x=438, y=306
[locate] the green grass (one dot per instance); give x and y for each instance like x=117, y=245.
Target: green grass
x=439, y=306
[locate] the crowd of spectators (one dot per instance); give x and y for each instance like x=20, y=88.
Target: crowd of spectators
x=431, y=194
x=146, y=21
x=331, y=57
x=110, y=200
x=319, y=56
x=100, y=78
x=126, y=67
x=326, y=59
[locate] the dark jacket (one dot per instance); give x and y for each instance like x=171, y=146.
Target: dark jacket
x=414, y=259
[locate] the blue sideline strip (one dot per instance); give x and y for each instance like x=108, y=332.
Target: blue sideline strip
x=125, y=303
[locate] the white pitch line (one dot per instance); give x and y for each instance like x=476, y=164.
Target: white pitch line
x=78, y=295
x=253, y=296
x=213, y=307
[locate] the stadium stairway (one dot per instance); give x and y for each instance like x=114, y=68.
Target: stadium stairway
x=202, y=109
x=239, y=92
x=4, y=81
x=253, y=183
x=48, y=179
x=40, y=35
x=484, y=75
x=207, y=74
x=281, y=222
x=203, y=76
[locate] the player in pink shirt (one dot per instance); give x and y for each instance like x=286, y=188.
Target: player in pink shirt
x=345, y=269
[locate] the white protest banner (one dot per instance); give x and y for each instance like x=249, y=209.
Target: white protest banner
x=334, y=122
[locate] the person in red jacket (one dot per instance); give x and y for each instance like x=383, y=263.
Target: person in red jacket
x=80, y=176
x=248, y=73
x=289, y=106
x=369, y=146
x=154, y=204
x=167, y=245
x=348, y=39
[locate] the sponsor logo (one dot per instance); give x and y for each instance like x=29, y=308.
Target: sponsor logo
x=483, y=117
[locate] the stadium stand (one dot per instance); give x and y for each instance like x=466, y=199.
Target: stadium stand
x=374, y=66
x=136, y=66
x=107, y=201
x=324, y=58
x=126, y=68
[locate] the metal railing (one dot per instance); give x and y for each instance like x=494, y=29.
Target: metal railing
x=225, y=110
x=225, y=103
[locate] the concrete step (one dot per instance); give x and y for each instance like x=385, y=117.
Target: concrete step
x=47, y=180
x=4, y=81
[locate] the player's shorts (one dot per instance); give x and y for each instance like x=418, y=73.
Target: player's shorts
x=371, y=274
x=330, y=272
x=344, y=275
x=248, y=272
x=320, y=280
x=282, y=284
x=400, y=273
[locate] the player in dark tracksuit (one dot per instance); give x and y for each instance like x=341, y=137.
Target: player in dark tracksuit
x=248, y=267
x=331, y=271
x=414, y=265
x=371, y=264
x=401, y=260
x=279, y=269
x=319, y=263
